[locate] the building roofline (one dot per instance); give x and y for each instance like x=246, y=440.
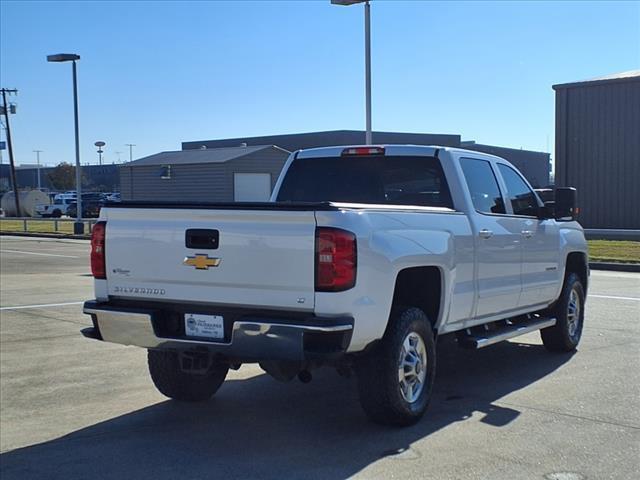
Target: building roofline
x=140, y=162
x=622, y=77
x=256, y=137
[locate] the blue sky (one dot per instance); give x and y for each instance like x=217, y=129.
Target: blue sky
x=158, y=73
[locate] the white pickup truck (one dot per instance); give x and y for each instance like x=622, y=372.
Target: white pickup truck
x=364, y=256
x=58, y=208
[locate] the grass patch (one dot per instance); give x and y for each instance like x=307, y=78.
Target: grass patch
x=37, y=226
x=614, y=251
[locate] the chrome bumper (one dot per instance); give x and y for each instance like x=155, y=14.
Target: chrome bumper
x=251, y=339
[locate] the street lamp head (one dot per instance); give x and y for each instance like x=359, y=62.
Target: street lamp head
x=346, y=3
x=63, y=57
x=100, y=144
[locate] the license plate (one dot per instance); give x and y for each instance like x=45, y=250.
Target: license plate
x=205, y=326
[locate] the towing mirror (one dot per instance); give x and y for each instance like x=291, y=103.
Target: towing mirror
x=566, y=208
x=547, y=211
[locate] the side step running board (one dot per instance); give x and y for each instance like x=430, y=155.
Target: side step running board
x=477, y=340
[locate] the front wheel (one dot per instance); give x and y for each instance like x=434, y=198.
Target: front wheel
x=173, y=381
x=395, y=379
x=565, y=335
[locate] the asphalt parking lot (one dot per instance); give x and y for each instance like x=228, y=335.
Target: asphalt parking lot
x=72, y=408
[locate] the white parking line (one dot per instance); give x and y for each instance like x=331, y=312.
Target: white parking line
x=613, y=297
x=20, y=307
x=36, y=253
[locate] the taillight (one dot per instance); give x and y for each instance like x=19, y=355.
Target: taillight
x=98, y=262
x=335, y=259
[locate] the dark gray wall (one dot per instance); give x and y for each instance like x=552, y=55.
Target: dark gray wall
x=201, y=182
x=533, y=165
x=297, y=141
x=598, y=150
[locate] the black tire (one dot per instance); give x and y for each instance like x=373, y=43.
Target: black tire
x=379, y=385
x=56, y=214
x=565, y=335
x=173, y=382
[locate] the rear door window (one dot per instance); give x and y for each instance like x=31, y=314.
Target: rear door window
x=483, y=185
x=392, y=180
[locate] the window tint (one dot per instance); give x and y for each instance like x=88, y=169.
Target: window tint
x=393, y=180
x=483, y=185
x=523, y=200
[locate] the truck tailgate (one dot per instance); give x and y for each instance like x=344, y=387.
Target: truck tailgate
x=265, y=258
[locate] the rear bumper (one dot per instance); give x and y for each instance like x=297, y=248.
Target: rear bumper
x=251, y=337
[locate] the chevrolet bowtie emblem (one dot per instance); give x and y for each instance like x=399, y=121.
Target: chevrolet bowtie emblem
x=201, y=261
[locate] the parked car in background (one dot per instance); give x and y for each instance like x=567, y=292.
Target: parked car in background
x=59, y=206
x=114, y=197
x=91, y=205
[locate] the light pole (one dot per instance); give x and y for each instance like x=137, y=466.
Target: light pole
x=130, y=145
x=78, y=226
x=38, y=152
x=100, y=151
x=367, y=61
x=118, y=154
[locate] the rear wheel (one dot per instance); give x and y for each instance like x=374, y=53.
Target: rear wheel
x=56, y=214
x=395, y=379
x=171, y=379
x=565, y=335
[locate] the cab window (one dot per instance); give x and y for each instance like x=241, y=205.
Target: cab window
x=483, y=186
x=523, y=200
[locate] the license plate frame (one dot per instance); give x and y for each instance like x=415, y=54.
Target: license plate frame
x=204, y=326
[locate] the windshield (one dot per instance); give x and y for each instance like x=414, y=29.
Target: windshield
x=393, y=180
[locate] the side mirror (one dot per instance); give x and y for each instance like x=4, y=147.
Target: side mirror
x=547, y=211
x=566, y=208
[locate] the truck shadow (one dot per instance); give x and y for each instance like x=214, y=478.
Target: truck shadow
x=257, y=428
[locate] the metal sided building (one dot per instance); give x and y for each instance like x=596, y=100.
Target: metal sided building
x=598, y=148
x=534, y=165
x=296, y=141
x=204, y=175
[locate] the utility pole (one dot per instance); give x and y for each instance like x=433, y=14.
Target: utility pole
x=38, y=152
x=118, y=154
x=11, y=162
x=130, y=145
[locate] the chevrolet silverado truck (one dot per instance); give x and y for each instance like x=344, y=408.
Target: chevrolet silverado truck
x=364, y=256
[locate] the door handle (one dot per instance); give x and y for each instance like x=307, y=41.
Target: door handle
x=527, y=233
x=202, y=239
x=484, y=233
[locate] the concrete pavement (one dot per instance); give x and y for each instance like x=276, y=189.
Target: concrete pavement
x=74, y=408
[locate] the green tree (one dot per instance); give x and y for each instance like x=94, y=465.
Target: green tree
x=63, y=177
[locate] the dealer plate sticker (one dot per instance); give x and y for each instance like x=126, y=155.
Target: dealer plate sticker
x=207, y=326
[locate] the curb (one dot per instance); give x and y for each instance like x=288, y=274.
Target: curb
x=46, y=235
x=615, y=267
